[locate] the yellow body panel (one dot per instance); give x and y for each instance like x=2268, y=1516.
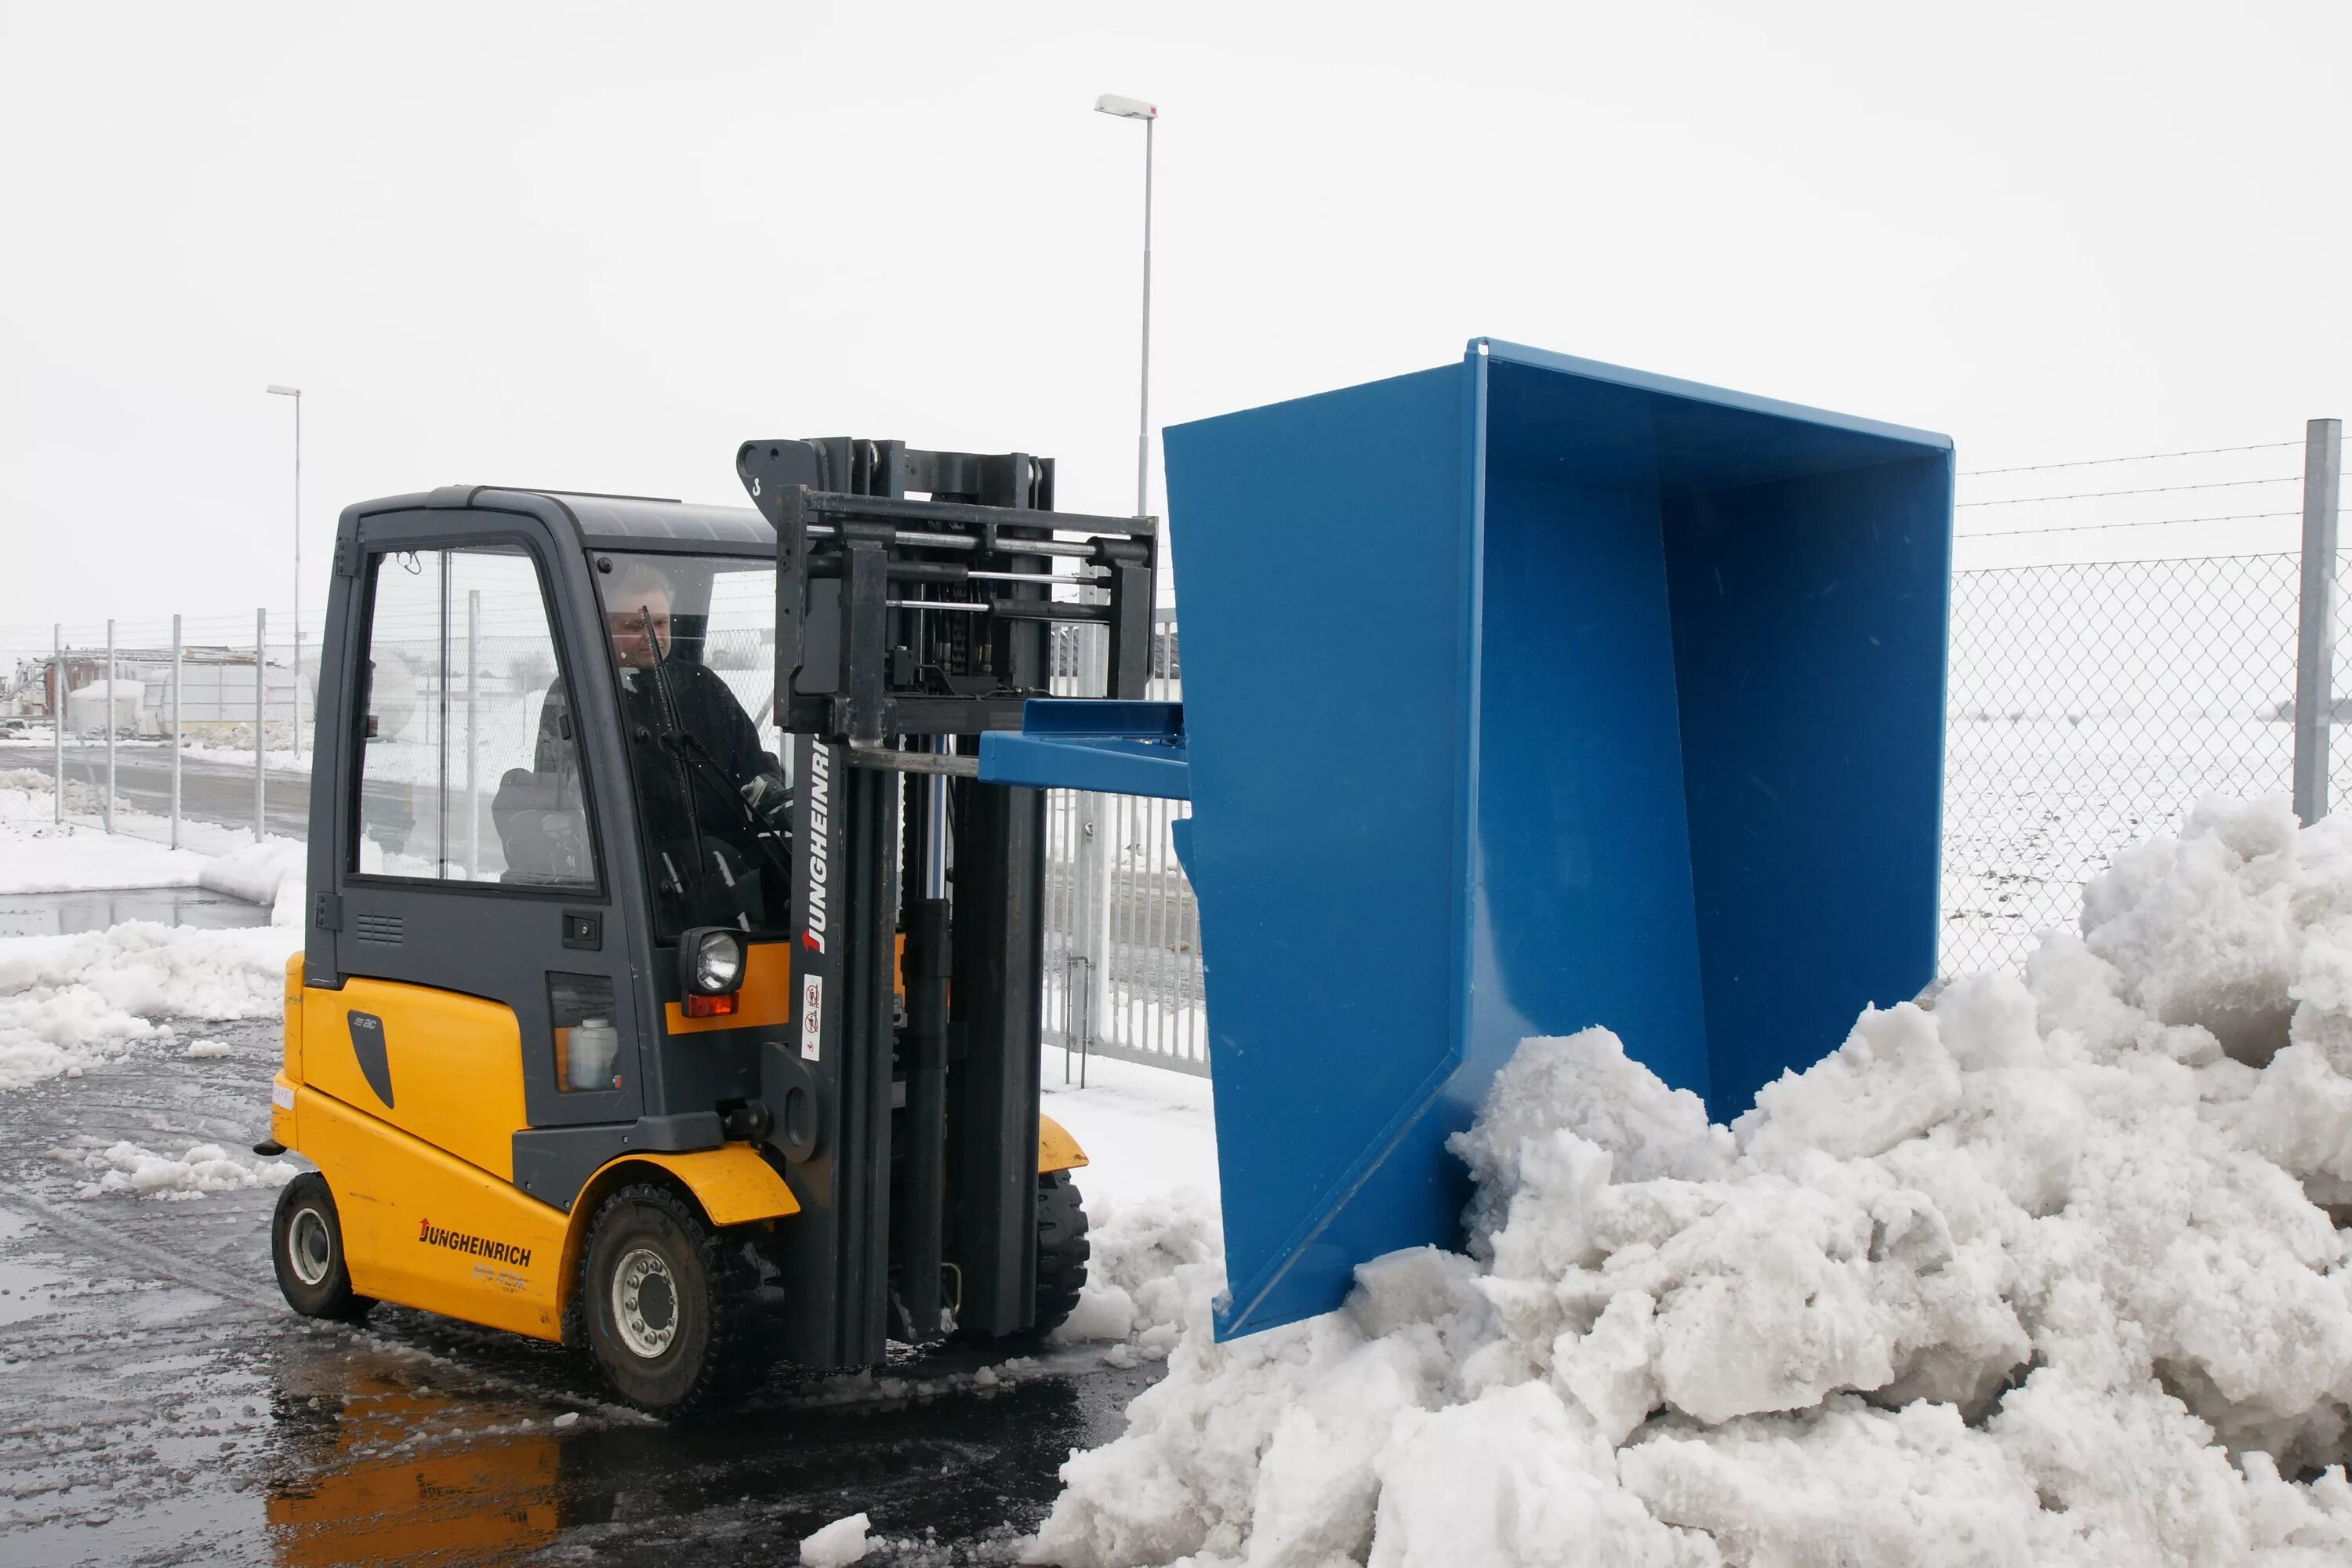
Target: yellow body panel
x=731, y=1183
x=455, y=1063
x=1056, y=1150
x=423, y=1185
x=764, y=1001
x=426, y=1230
x=282, y=1109
x=294, y=1016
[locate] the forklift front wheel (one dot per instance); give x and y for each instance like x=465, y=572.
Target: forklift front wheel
x=1062, y=1250
x=653, y=1283
x=306, y=1239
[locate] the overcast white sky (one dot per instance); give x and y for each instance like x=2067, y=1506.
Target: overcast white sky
x=597, y=247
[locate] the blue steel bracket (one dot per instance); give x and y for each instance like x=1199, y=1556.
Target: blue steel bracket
x=1069, y=742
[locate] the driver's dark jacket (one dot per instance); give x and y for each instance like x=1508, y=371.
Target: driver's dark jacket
x=667, y=785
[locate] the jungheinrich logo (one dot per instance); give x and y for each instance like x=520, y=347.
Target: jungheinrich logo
x=430, y=1235
x=820, y=823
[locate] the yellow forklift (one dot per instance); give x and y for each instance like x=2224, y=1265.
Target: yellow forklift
x=671, y=979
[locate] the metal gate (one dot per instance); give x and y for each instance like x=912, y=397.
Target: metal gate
x=1122, y=933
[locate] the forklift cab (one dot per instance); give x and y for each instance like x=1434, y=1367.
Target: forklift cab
x=671, y=980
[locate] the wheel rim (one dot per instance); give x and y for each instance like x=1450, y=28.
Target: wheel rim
x=644, y=1302
x=309, y=1247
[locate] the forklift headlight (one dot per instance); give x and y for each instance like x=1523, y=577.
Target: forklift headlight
x=714, y=961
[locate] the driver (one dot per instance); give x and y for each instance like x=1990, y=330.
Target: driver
x=663, y=695
x=714, y=805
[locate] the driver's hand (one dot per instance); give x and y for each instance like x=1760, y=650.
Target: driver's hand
x=771, y=800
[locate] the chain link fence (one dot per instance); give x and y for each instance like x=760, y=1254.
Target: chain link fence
x=2091, y=706
x=87, y=734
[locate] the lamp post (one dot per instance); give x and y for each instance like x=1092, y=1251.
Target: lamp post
x=1136, y=108
x=296, y=393
x=1087, y=1005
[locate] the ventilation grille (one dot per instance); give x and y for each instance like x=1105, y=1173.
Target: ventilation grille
x=383, y=929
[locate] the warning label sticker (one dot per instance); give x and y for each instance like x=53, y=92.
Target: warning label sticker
x=811, y=1015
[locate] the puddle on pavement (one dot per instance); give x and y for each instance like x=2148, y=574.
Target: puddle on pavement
x=374, y=1468
x=63, y=914
x=323, y=1447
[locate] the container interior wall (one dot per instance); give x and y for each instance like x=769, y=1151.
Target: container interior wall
x=1584, y=910
x=1321, y=572
x=1808, y=625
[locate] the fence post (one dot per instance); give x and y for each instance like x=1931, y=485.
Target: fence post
x=109, y=724
x=1090, y=866
x=2314, y=654
x=260, y=719
x=175, y=731
x=57, y=709
x=473, y=699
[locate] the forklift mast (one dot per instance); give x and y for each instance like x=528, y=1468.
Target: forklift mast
x=915, y=600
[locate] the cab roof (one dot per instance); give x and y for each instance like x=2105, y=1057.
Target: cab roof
x=608, y=521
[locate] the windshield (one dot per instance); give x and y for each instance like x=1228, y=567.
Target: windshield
x=692, y=640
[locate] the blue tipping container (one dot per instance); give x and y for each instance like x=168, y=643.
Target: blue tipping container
x=1523, y=695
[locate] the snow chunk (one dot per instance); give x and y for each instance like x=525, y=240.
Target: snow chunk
x=837, y=1544
x=1147, y=1260
x=126, y=1167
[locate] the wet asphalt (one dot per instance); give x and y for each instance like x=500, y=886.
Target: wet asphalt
x=159, y=1404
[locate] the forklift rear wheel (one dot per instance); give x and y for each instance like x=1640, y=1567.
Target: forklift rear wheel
x=306, y=1244
x=656, y=1283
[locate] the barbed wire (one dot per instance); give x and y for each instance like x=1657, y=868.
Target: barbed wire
x=2149, y=490
x=2137, y=458
x=2146, y=523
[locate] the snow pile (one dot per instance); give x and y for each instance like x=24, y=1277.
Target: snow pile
x=125, y=1167
x=1147, y=1260
x=2036, y=1277
x=29, y=795
x=271, y=872
x=70, y=1003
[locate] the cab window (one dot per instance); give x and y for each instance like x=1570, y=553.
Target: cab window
x=469, y=765
x=692, y=642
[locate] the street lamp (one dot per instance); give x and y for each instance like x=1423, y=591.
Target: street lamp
x=296, y=393
x=1136, y=108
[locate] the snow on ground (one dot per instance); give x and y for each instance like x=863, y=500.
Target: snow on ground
x=281, y=759
x=40, y=855
x=126, y=1167
x=2038, y=1275
x=1144, y=1129
x=68, y=1003
x=1150, y=1187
